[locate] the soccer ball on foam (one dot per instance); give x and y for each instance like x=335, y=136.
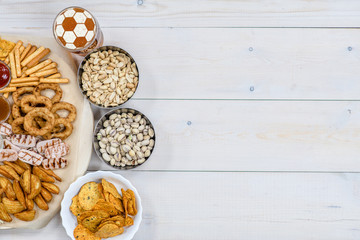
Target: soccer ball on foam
x=75, y=27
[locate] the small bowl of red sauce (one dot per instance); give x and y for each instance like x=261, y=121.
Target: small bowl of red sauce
x=5, y=75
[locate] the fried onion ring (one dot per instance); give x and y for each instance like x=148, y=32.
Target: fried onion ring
x=17, y=111
x=18, y=126
x=65, y=106
x=10, y=119
x=21, y=91
x=43, y=113
x=30, y=102
x=53, y=86
x=62, y=129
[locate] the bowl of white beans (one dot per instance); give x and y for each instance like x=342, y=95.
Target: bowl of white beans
x=124, y=138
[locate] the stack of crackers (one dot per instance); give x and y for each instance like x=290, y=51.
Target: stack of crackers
x=26, y=66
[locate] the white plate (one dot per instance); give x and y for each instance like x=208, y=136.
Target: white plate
x=69, y=220
x=80, y=141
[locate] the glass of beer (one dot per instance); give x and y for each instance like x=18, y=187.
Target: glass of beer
x=77, y=30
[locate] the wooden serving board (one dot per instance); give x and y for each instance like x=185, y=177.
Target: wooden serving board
x=80, y=141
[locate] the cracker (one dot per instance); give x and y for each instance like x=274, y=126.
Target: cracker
x=109, y=187
x=99, y=213
x=89, y=195
x=75, y=207
x=106, y=206
x=92, y=222
x=109, y=230
x=82, y=233
x=5, y=48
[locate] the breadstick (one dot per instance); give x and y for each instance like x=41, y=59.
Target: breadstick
x=31, y=51
x=8, y=89
x=22, y=48
x=17, y=62
x=23, y=72
x=12, y=65
x=56, y=75
x=24, y=84
x=25, y=79
x=18, y=44
x=37, y=59
x=54, y=80
x=38, y=67
x=32, y=56
x=51, y=65
x=25, y=52
x=44, y=73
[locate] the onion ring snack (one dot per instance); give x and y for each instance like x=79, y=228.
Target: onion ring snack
x=42, y=113
x=19, y=92
x=18, y=126
x=53, y=86
x=65, y=106
x=66, y=130
x=29, y=102
x=17, y=111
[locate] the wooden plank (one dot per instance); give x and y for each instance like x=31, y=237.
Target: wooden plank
x=251, y=135
x=188, y=13
x=237, y=206
x=242, y=63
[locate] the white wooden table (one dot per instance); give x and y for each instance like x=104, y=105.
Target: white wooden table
x=256, y=105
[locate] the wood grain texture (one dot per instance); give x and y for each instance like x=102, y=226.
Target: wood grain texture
x=188, y=13
x=251, y=135
x=216, y=206
x=227, y=63
x=241, y=63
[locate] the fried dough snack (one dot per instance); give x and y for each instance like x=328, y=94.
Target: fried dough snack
x=21, y=196
x=53, y=86
x=43, y=113
x=18, y=126
x=19, y=92
x=30, y=102
x=62, y=129
x=101, y=211
x=65, y=106
x=17, y=111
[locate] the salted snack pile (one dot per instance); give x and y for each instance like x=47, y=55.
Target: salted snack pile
x=24, y=187
x=31, y=150
x=101, y=211
x=27, y=67
x=126, y=139
x=110, y=78
x=36, y=115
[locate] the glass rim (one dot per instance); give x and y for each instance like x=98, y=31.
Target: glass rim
x=7, y=66
x=96, y=31
x=7, y=117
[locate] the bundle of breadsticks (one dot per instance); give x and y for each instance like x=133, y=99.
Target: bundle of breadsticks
x=29, y=69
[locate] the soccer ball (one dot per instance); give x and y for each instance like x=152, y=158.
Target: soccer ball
x=75, y=28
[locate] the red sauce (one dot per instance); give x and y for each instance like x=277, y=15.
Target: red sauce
x=4, y=75
x=4, y=109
